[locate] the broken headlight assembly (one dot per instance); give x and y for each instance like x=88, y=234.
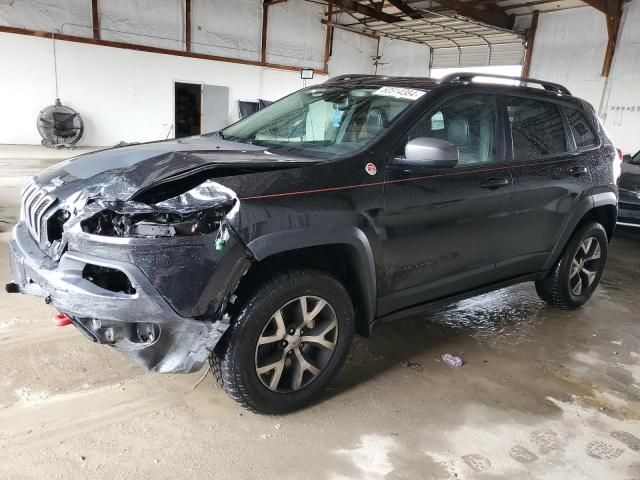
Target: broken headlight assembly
x=113, y=224
x=199, y=211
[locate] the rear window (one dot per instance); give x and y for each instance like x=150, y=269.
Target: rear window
x=581, y=129
x=537, y=129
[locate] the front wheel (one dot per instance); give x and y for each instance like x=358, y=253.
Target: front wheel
x=286, y=342
x=577, y=273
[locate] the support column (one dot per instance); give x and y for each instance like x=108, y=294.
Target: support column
x=328, y=39
x=612, y=10
x=613, y=27
x=531, y=36
x=187, y=26
x=95, y=19
x=265, y=23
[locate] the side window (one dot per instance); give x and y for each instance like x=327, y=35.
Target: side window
x=467, y=121
x=582, y=131
x=537, y=129
x=437, y=121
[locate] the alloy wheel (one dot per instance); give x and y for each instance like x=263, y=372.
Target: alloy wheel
x=296, y=344
x=585, y=266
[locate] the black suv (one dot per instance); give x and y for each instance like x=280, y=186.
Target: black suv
x=265, y=246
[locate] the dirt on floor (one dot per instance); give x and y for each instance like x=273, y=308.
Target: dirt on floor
x=543, y=394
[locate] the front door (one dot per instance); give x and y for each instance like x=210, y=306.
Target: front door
x=442, y=225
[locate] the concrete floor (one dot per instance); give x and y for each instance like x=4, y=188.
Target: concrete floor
x=544, y=394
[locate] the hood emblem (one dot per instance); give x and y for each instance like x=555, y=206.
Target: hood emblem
x=57, y=182
x=371, y=169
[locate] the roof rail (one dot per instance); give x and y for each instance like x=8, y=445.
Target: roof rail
x=353, y=76
x=469, y=76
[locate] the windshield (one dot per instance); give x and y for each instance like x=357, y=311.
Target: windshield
x=324, y=121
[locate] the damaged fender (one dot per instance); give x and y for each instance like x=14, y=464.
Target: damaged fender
x=146, y=268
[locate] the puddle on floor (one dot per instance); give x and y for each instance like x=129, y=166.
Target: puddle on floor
x=510, y=314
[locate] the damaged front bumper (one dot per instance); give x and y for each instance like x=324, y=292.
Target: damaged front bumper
x=137, y=320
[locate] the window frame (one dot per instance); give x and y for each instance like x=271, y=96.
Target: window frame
x=570, y=141
x=594, y=130
x=394, y=161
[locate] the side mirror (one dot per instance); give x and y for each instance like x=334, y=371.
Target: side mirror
x=626, y=158
x=430, y=152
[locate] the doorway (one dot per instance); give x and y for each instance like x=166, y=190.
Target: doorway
x=188, y=102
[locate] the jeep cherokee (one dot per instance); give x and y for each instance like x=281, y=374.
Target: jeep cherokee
x=265, y=246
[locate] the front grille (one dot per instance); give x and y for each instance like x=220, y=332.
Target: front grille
x=35, y=203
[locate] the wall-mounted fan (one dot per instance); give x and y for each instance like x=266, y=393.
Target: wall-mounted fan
x=59, y=125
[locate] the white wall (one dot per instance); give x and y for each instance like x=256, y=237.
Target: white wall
x=47, y=15
x=156, y=23
x=352, y=53
x=569, y=48
x=227, y=28
x=295, y=35
x=124, y=95
x=120, y=94
x=621, y=106
x=403, y=58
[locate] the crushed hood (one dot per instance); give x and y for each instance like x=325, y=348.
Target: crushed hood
x=118, y=173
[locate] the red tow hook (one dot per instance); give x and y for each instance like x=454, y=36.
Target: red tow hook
x=61, y=320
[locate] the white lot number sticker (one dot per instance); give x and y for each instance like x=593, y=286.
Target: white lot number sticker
x=399, y=92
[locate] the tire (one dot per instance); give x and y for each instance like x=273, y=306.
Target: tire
x=568, y=285
x=243, y=367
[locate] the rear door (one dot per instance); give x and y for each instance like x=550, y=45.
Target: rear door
x=550, y=176
x=442, y=225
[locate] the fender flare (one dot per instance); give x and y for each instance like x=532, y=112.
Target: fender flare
x=279, y=242
x=583, y=207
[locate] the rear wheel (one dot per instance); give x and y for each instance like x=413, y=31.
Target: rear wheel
x=578, y=271
x=287, y=341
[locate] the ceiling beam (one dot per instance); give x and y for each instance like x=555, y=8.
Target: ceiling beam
x=349, y=29
x=406, y=9
x=366, y=10
x=531, y=4
x=598, y=5
x=495, y=18
x=475, y=3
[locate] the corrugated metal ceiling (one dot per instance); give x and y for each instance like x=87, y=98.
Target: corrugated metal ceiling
x=462, y=33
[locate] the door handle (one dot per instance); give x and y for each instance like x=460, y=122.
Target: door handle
x=496, y=182
x=577, y=171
